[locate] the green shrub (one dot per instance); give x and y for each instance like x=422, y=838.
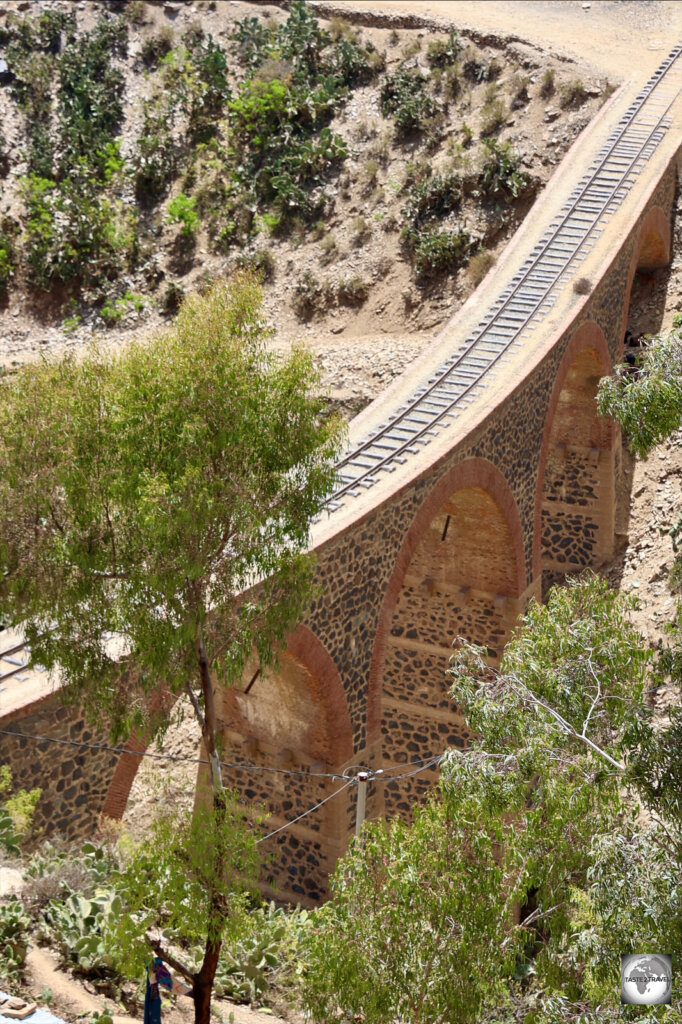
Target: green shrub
x=352, y=291
x=329, y=249
x=181, y=210
x=155, y=47
x=519, y=91
x=79, y=928
x=261, y=262
x=114, y=310
x=573, y=94
x=547, y=83
x=251, y=42
x=431, y=199
x=7, y=262
x=90, y=93
x=310, y=296
x=14, y=933
x=439, y=252
x=172, y=298
x=155, y=158
x=74, y=233
x=493, y=116
x=405, y=99
x=443, y=53
x=501, y=171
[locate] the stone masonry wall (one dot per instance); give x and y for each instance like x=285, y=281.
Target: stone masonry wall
x=74, y=780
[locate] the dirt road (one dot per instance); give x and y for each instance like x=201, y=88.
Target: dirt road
x=619, y=39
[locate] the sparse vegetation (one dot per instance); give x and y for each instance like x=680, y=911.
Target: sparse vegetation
x=547, y=83
x=479, y=265
x=352, y=291
x=501, y=172
x=404, y=98
x=443, y=53
x=573, y=94
x=311, y=296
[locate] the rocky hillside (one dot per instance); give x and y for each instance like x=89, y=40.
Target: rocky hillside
x=369, y=175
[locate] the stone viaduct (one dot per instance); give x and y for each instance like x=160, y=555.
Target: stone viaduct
x=517, y=491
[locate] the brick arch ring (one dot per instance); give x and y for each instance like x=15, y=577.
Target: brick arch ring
x=474, y=472
x=304, y=647
x=589, y=336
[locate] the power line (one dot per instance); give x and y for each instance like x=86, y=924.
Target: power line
x=305, y=814
x=373, y=775
x=169, y=757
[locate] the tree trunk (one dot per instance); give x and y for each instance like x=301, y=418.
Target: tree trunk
x=203, y=985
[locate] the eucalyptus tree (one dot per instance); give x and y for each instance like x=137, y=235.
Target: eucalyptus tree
x=155, y=505
x=532, y=861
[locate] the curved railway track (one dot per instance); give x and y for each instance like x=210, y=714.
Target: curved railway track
x=529, y=296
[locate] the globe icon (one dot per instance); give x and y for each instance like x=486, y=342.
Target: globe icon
x=646, y=979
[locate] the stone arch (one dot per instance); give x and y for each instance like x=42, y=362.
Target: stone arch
x=460, y=571
x=131, y=758
x=575, y=497
x=651, y=252
x=293, y=717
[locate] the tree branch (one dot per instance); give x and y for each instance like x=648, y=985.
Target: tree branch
x=170, y=959
x=197, y=706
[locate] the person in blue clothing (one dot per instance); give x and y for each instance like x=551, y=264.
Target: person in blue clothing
x=158, y=976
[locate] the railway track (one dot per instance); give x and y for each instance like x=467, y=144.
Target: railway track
x=529, y=296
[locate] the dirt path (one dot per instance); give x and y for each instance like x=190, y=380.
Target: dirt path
x=71, y=999
x=68, y=996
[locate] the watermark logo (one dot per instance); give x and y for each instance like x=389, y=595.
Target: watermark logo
x=646, y=979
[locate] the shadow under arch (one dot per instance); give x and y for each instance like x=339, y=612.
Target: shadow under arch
x=574, y=520
x=460, y=571
x=652, y=251
x=284, y=730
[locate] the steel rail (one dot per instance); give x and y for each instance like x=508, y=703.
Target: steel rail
x=610, y=194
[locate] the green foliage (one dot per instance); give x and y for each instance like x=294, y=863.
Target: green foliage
x=414, y=930
x=280, y=160
x=647, y=403
x=155, y=158
x=72, y=232
x=547, y=83
x=114, y=310
x=266, y=954
x=532, y=815
x=182, y=210
x=439, y=252
x=430, y=199
x=166, y=877
x=493, y=116
x=7, y=261
x=80, y=929
x=195, y=75
x=352, y=291
x=91, y=93
x=573, y=94
x=154, y=48
x=501, y=173
x=405, y=99
x=16, y=811
x=14, y=930
x=443, y=53
x=311, y=296
x=140, y=551
x=261, y=262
